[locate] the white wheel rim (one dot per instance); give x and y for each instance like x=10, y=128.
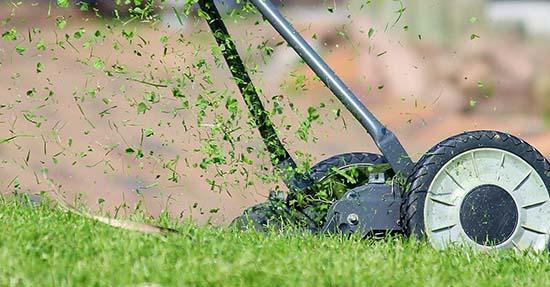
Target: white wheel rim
x=485, y=166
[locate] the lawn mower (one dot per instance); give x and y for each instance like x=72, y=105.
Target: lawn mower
x=484, y=189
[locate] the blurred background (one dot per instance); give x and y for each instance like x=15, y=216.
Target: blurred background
x=107, y=104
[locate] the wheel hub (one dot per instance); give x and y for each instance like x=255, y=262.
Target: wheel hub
x=489, y=215
x=488, y=198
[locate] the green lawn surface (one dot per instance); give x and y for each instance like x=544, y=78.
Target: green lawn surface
x=47, y=246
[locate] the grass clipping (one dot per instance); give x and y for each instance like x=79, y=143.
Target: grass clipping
x=117, y=223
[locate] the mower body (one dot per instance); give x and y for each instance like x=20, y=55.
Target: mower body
x=484, y=189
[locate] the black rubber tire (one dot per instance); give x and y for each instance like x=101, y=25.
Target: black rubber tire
x=324, y=168
x=260, y=215
x=412, y=211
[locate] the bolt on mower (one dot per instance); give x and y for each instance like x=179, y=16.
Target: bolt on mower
x=484, y=189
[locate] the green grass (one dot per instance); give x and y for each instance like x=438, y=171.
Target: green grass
x=46, y=246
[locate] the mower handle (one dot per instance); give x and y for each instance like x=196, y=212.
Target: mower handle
x=386, y=141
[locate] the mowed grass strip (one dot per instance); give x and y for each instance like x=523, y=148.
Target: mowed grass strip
x=46, y=246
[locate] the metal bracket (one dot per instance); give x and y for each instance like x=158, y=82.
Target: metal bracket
x=377, y=178
x=367, y=209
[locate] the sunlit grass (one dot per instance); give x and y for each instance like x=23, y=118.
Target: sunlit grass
x=47, y=246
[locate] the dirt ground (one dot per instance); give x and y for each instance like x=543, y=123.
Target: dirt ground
x=423, y=92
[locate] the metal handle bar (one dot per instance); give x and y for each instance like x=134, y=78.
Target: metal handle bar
x=386, y=141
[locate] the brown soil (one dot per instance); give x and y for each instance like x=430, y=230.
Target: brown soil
x=96, y=166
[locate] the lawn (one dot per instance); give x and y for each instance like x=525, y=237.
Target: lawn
x=46, y=246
